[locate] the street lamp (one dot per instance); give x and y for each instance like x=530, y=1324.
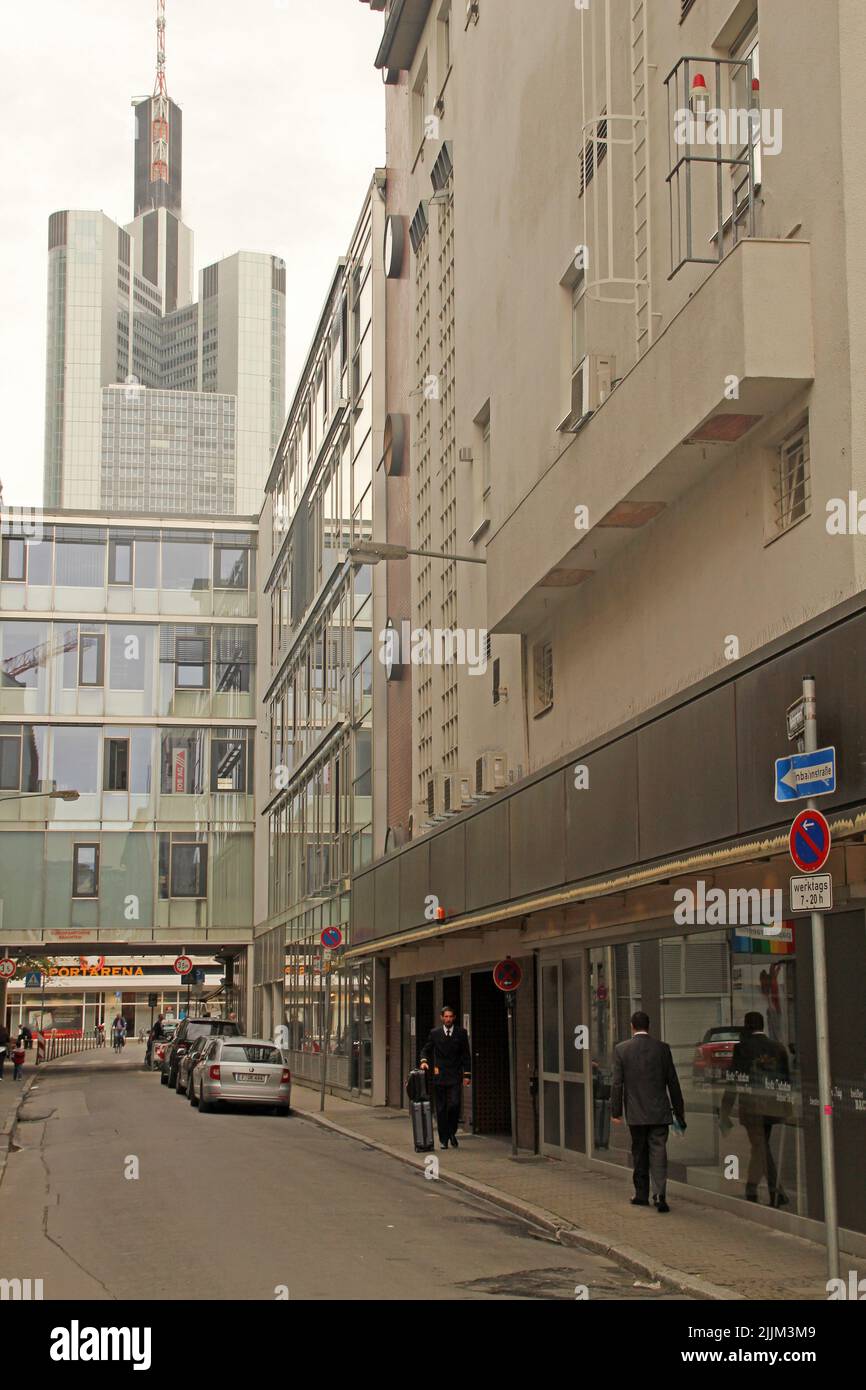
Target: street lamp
x=53, y=796
x=372, y=552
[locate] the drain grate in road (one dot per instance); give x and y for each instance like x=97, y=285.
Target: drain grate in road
x=558, y=1284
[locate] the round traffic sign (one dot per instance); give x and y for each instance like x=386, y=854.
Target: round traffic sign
x=182, y=965
x=7, y=968
x=331, y=937
x=507, y=975
x=809, y=841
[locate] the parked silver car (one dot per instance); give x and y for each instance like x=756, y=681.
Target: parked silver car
x=240, y=1071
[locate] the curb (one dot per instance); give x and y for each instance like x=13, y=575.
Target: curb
x=565, y=1234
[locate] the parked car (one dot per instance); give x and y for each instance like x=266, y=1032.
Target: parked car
x=715, y=1052
x=241, y=1071
x=188, y=1030
x=188, y=1061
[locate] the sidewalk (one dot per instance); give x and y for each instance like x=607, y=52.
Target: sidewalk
x=698, y=1249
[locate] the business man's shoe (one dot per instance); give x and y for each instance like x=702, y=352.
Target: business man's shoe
x=640, y=1201
x=778, y=1199
x=454, y=1143
x=445, y=1145
x=661, y=1205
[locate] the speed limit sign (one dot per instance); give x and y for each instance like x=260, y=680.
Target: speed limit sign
x=182, y=965
x=7, y=968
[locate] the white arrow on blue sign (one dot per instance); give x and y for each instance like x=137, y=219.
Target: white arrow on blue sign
x=806, y=774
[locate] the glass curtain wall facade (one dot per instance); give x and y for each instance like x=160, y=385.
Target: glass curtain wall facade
x=146, y=710
x=319, y=702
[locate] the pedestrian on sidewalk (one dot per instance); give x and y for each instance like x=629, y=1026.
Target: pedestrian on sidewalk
x=645, y=1083
x=25, y=1036
x=4, y=1047
x=18, y=1057
x=446, y=1052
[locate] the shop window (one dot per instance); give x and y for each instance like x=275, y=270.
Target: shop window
x=85, y=871
x=116, y=765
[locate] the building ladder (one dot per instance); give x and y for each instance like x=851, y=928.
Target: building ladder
x=644, y=319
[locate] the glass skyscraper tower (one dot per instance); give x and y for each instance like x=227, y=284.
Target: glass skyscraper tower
x=156, y=400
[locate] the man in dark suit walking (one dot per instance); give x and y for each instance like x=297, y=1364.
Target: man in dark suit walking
x=645, y=1081
x=446, y=1052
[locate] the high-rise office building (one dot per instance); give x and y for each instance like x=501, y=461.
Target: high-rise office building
x=202, y=383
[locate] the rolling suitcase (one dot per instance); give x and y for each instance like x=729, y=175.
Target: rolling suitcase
x=420, y=1111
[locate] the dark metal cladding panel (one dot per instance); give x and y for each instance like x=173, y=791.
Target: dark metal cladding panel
x=363, y=919
x=487, y=866
x=448, y=869
x=601, y=818
x=56, y=230
x=537, y=836
x=846, y=966
x=687, y=776
x=837, y=660
x=386, y=914
x=150, y=248
x=414, y=886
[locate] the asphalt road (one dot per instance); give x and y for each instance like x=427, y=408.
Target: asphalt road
x=243, y=1205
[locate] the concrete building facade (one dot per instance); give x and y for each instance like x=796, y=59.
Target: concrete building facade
x=642, y=411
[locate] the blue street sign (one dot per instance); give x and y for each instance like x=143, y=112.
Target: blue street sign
x=33, y=979
x=806, y=774
x=331, y=938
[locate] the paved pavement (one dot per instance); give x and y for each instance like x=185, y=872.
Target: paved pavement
x=710, y=1252
x=113, y=1182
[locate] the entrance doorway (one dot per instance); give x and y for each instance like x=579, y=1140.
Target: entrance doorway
x=425, y=1005
x=564, y=1046
x=491, y=1101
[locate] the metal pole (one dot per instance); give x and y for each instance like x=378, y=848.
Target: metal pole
x=326, y=1029
x=512, y=1071
x=822, y=1023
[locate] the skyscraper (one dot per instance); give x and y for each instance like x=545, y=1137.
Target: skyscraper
x=156, y=401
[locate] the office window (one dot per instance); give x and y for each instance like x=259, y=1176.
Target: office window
x=182, y=762
x=419, y=105
x=233, y=655
x=80, y=557
x=10, y=757
x=116, y=765
x=14, y=559
x=496, y=685
x=228, y=764
x=130, y=656
x=91, y=659
x=230, y=567
x=188, y=869
x=192, y=663
x=594, y=153
x=745, y=97
x=186, y=564
x=543, y=676
x=23, y=653
x=444, y=41
x=76, y=758
x=792, y=480
x=120, y=562
x=22, y=750
x=85, y=871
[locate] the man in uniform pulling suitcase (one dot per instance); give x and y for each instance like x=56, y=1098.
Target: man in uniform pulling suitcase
x=446, y=1054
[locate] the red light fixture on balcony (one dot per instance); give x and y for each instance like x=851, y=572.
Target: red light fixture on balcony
x=699, y=99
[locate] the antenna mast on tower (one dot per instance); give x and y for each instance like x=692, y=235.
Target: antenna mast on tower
x=159, y=106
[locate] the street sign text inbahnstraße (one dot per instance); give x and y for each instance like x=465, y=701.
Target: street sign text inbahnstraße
x=806, y=774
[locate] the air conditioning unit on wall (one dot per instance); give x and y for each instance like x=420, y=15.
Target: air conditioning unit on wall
x=438, y=794
x=491, y=773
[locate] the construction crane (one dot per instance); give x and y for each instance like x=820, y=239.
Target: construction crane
x=37, y=656
x=159, y=106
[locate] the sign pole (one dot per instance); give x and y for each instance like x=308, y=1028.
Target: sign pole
x=822, y=1025
x=512, y=1071
x=326, y=1029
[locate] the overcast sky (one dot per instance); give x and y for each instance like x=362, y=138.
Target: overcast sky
x=283, y=124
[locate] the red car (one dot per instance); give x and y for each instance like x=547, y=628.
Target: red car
x=715, y=1052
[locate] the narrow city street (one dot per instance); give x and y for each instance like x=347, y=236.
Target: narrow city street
x=236, y=1206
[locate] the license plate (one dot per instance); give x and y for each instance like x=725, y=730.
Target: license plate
x=245, y=1076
